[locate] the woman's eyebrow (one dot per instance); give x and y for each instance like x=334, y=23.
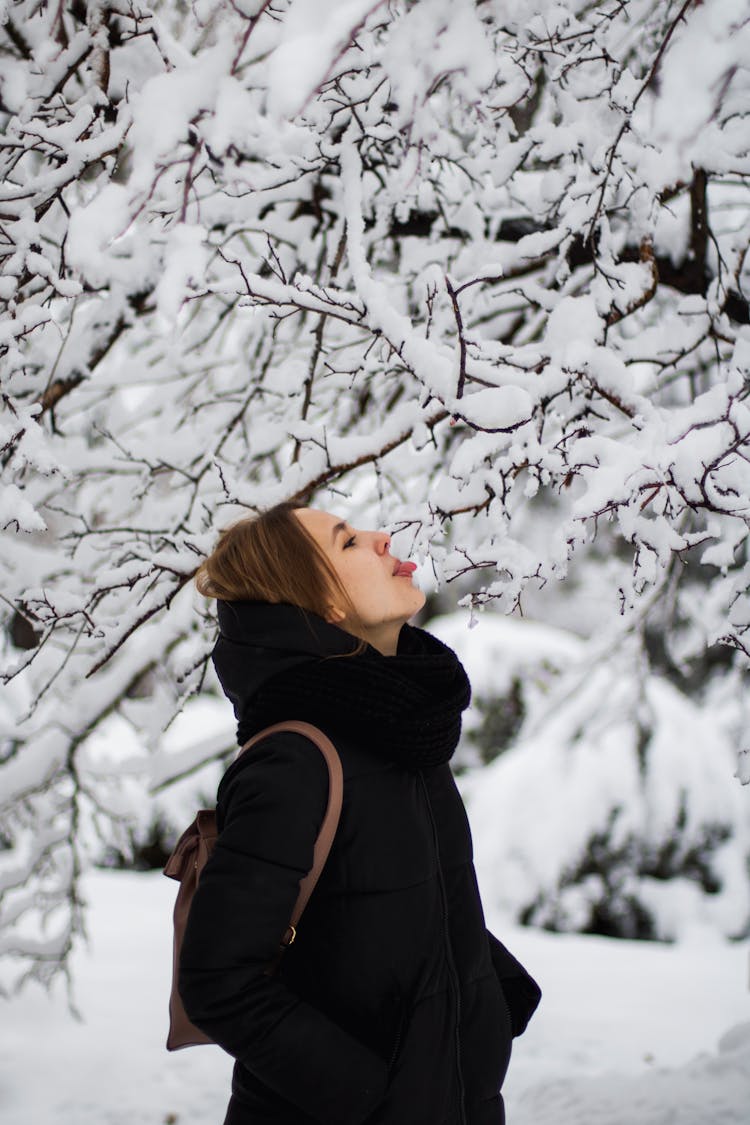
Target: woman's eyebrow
x=337, y=528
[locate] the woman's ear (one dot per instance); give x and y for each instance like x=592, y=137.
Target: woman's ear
x=334, y=615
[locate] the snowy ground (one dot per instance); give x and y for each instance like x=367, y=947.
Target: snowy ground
x=629, y=1033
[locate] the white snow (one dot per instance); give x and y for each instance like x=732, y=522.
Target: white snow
x=627, y=1034
x=743, y=766
x=496, y=407
x=312, y=36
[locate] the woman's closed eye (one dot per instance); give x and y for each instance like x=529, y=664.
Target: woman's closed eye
x=350, y=542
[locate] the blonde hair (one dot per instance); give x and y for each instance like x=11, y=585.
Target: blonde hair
x=272, y=557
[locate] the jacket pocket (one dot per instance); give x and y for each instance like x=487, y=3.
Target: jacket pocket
x=521, y=991
x=485, y=1037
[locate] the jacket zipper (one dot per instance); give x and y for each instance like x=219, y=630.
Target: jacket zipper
x=507, y=1010
x=452, y=974
x=397, y=1043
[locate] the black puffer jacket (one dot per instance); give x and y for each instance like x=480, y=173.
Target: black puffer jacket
x=389, y=1006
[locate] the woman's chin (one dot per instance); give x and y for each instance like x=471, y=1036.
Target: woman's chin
x=419, y=600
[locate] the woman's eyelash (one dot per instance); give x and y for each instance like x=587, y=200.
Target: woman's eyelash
x=350, y=542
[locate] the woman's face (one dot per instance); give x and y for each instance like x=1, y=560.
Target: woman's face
x=383, y=598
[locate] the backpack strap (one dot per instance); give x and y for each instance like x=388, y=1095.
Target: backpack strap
x=193, y=850
x=330, y=819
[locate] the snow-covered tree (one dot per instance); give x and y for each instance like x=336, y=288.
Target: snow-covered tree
x=474, y=269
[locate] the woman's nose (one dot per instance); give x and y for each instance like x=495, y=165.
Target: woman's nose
x=382, y=542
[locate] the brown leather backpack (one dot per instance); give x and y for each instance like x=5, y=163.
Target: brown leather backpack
x=194, y=848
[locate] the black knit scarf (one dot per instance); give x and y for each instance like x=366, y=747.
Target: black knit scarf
x=405, y=707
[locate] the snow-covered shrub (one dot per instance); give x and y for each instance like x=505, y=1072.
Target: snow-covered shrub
x=615, y=811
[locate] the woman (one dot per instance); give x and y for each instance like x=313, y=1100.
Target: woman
x=394, y=1006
